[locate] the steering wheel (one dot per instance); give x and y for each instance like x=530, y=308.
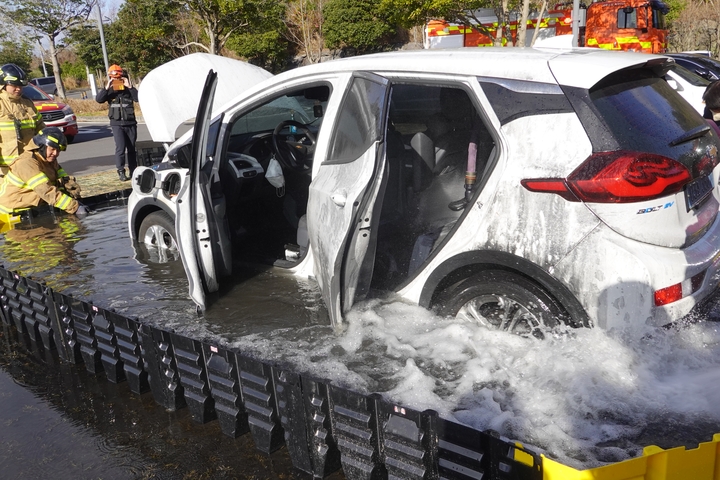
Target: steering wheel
x=294, y=153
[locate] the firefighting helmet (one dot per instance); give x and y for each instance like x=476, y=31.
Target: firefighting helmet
x=11, y=74
x=115, y=71
x=51, y=137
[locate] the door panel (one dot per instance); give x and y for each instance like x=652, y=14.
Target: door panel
x=344, y=191
x=195, y=223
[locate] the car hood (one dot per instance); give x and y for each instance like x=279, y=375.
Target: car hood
x=169, y=94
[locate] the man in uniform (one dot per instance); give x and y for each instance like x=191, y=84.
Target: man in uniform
x=36, y=179
x=19, y=119
x=121, y=95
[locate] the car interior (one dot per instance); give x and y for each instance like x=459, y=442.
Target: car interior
x=429, y=131
x=434, y=134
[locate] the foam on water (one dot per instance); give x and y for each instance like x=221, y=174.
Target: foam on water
x=584, y=397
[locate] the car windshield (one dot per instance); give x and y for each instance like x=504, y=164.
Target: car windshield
x=34, y=94
x=268, y=116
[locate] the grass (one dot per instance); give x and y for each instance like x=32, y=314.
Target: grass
x=100, y=183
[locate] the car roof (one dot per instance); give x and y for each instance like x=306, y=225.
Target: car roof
x=577, y=67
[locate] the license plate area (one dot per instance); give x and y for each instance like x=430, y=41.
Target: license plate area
x=697, y=191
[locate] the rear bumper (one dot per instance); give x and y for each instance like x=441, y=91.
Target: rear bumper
x=615, y=278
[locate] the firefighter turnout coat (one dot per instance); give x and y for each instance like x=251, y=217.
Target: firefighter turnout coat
x=33, y=182
x=19, y=122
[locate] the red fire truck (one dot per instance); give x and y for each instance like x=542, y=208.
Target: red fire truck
x=633, y=25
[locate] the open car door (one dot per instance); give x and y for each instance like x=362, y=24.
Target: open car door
x=200, y=223
x=343, y=194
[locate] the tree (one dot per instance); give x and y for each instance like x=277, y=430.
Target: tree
x=223, y=18
x=695, y=25
x=50, y=20
x=357, y=25
x=263, y=41
x=304, y=23
x=85, y=40
x=17, y=52
x=142, y=36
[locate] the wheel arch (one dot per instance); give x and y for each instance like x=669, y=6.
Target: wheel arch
x=142, y=209
x=466, y=264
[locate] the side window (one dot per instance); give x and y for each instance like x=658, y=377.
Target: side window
x=358, y=125
x=627, y=17
x=658, y=19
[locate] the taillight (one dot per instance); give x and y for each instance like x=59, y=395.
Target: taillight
x=673, y=293
x=617, y=177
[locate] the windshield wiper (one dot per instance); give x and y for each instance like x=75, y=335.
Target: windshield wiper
x=691, y=135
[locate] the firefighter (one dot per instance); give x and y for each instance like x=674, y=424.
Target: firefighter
x=36, y=179
x=19, y=119
x=121, y=95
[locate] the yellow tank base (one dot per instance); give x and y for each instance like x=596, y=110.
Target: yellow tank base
x=701, y=463
x=8, y=221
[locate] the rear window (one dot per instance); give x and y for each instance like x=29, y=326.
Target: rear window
x=45, y=81
x=643, y=113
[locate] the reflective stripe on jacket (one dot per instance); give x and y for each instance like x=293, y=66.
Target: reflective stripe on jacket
x=32, y=182
x=17, y=116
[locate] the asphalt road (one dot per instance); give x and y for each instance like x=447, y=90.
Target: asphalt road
x=94, y=148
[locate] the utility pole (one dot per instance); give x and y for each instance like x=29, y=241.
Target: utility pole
x=42, y=57
x=102, y=36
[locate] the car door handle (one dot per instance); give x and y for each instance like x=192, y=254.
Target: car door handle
x=339, y=199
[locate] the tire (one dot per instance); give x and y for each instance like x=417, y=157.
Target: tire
x=505, y=301
x=70, y=138
x=157, y=234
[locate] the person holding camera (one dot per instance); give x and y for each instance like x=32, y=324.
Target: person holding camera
x=121, y=96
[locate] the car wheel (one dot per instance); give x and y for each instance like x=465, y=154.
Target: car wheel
x=157, y=234
x=70, y=138
x=503, y=301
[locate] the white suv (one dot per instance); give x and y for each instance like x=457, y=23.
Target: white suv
x=519, y=188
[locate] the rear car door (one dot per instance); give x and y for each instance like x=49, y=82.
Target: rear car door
x=200, y=223
x=343, y=195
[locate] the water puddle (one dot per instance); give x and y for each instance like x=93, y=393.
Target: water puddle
x=584, y=397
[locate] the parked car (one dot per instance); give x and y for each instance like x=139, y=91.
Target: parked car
x=46, y=84
x=689, y=85
x=591, y=195
x=702, y=65
x=54, y=113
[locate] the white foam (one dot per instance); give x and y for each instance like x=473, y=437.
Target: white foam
x=586, y=397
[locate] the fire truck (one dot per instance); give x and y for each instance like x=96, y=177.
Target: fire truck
x=631, y=25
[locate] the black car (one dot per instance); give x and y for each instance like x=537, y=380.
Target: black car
x=703, y=65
